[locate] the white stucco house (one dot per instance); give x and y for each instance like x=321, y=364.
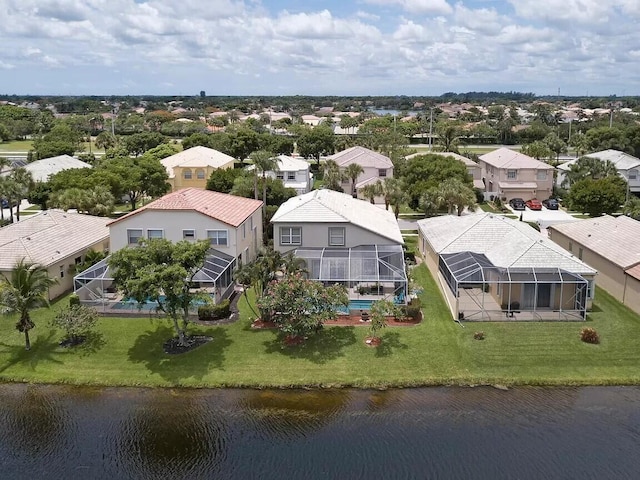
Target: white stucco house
x=294, y=173
x=41, y=170
x=628, y=167
x=233, y=226
x=343, y=240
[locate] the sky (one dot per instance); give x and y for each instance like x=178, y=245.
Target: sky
x=319, y=47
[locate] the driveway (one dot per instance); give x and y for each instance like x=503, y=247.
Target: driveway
x=544, y=217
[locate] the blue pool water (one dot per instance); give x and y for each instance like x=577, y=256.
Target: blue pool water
x=132, y=304
x=355, y=305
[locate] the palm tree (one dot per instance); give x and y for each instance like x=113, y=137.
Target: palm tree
x=448, y=136
x=372, y=190
x=263, y=162
x=26, y=289
x=455, y=195
x=353, y=171
x=21, y=183
x=395, y=194
x=332, y=175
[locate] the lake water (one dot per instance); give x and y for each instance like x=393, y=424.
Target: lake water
x=481, y=433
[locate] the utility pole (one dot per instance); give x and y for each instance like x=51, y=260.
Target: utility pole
x=430, y=127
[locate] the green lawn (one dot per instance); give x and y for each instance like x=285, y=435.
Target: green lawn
x=16, y=146
x=436, y=352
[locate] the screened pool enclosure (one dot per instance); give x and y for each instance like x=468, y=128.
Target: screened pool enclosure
x=368, y=271
x=95, y=285
x=478, y=290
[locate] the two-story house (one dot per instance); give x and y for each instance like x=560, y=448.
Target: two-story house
x=343, y=240
x=628, y=167
x=294, y=173
x=509, y=174
x=232, y=225
x=193, y=167
x=375, y=167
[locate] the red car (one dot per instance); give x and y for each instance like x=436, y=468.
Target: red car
x=534, y=204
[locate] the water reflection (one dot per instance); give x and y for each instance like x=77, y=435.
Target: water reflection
x=289, y=414
x=173, y=434
x=34, y=422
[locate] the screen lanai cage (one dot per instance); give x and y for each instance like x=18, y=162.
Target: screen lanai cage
x=369, y=272
x=95, y=285
x=482, y=291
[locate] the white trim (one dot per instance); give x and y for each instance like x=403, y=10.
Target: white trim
x=189, y=230
x=161, y=230
x=290, y=235
x=141, y=230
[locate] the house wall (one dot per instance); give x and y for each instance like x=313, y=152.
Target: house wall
x=178, y=181
x=302, y=176
x=369, y=173
x=496, y=175
x=174, y=222
x=64, y=269
x=316, y=235
x=610, y=276
x=632, y=293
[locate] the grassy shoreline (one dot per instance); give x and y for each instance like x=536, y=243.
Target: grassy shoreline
x=436, y=352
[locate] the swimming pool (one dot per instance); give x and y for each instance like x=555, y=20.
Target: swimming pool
x=131, y=304
x=355, y=305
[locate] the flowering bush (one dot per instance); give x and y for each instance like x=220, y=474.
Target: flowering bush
x=478, y=335
x=299, y=306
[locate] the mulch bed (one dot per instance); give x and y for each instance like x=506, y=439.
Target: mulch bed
x=172, y=347
x=72, y=342
x=346, y=321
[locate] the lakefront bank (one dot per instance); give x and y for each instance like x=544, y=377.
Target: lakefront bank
x=438, y=351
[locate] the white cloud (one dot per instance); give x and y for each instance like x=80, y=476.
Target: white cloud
x=417, y=6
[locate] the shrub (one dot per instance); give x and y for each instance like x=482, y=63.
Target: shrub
x=74, y=300
x=412, y=310
x=589, y=335
x=215, y=312
x=77, y=321
x=478, y=335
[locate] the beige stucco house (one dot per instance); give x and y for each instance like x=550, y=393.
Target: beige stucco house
x=193, y=167
x=55, y=239
x=294, y=173
x=375, y=167
x=509, y=174
x=490, y=267
x=628, y=167
x=343, y=240
x=612, y=246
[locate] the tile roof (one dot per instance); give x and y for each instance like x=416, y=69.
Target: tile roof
x=505, y=242
x=614, y=238
x=50, y=236
x=467, y=161
x=288, y=164
x=507, y=158
x=328, y=206
x=362, y=156
x=196, y=157
x=634, y=272
x=42, y=169
x=229, y=209
x=623, y=161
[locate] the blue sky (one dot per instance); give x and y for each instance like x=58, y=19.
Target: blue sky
x=314, y=47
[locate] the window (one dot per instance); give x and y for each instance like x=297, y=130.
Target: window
x=153, y=233
x=633, y=174
x=186, y=173
x=218, y=237
x=512, y=174
x=200, y=174
x=134, y=235
x=580, y=253
x=571, y=246
x=188, y=235
x=290, y=235
x=291, y=175
x=336, y=236
x=382, y=172
x=542, y=175
x=61, y=271
x=280, y=175
x=244, y=231
x=591, y=291
x=77, y=260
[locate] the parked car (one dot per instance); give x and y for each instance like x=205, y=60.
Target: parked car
x=551, y=203
x=517, y=203
x=4, y=203
x=534, y=204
